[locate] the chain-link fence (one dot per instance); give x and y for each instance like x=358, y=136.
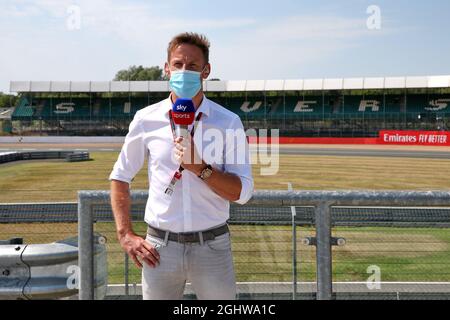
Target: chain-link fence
x=273, y=204
x=389, y=252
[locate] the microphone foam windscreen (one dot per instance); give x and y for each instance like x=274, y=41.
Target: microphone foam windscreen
x=183, y=112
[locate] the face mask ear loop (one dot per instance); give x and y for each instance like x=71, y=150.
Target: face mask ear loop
x=204, y=68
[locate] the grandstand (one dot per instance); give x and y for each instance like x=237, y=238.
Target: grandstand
x=350, y=107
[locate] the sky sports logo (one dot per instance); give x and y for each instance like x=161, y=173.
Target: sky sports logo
x=183, y=115
x=182, y=108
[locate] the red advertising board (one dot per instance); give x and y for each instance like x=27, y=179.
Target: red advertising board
x=428, y=138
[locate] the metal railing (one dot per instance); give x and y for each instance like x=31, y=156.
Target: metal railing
x=321, y=201
x=77, y=156
x=40, y=155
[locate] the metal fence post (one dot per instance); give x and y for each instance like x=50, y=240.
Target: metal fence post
x=127, y=289
x=323, y=251
x=294, y=248
x=86, y=248
x=294, y=256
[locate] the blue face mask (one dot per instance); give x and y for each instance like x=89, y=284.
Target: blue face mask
x=185, y=84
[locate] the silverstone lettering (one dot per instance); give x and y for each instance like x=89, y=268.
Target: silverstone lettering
x=304, y=106
x=301, y=106
x=246, y=104
x=438, y=104
x=374, y=105
x=64, y=108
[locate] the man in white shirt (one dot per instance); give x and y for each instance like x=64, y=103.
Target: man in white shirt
x=188, y=238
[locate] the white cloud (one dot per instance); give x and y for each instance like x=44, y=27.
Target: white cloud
x=117, y=34
x=19, y=12
x=285, y=47
x=129, y=21
x=314, y=28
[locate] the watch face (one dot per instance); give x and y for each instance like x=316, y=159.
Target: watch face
x=206, y=173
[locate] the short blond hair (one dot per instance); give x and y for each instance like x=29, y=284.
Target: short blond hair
x=198, y=40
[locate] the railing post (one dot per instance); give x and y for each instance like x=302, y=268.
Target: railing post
x=323, y=251
x=86, y=249
x=294, y=248
x=294, y=258
x=127, y=291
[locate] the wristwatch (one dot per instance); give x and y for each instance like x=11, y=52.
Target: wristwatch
x=206, y=173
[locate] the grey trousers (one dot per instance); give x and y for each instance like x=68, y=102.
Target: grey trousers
x=208, y=267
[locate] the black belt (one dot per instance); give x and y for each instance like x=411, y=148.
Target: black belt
x=190, y=237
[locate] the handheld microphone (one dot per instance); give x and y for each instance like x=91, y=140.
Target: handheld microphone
x=183, y=114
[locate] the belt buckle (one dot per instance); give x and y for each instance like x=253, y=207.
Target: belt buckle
x=184, y=237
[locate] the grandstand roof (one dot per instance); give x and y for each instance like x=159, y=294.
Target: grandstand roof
x=237, y=85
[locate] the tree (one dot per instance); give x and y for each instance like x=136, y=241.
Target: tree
x=139, y=73
x=7, y=100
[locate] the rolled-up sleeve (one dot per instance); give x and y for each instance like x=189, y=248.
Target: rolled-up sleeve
x=132, y=155
x=237, y=159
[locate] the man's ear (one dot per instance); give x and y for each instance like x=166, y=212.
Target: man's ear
x=166, y=70
x=206, y=71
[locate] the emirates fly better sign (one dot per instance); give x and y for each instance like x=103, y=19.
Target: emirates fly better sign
x=430, y=138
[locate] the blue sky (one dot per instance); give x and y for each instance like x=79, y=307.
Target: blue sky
x=282, y=39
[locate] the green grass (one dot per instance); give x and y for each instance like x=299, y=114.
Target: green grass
x=43, y=181
x=262, y=253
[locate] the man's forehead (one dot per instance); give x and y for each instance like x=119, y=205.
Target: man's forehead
x=186, y=53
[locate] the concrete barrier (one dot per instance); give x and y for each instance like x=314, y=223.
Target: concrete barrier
x=60, y=139
x=69, y=156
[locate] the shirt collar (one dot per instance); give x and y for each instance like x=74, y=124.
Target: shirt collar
x=204, y=106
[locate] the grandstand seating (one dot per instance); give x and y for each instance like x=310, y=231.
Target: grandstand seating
x=292, y=107
x=23, y=109
x=78, y=108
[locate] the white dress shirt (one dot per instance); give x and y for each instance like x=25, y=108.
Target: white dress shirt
x=193, y=206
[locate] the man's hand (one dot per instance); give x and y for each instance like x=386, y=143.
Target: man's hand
x=225, y=184
x=186, y=154
x=136, y=247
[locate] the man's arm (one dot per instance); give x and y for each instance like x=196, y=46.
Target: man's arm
x=130, y=161
x=133, y=244
x=227, y=185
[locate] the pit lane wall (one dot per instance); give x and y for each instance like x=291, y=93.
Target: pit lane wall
x=385, y=137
